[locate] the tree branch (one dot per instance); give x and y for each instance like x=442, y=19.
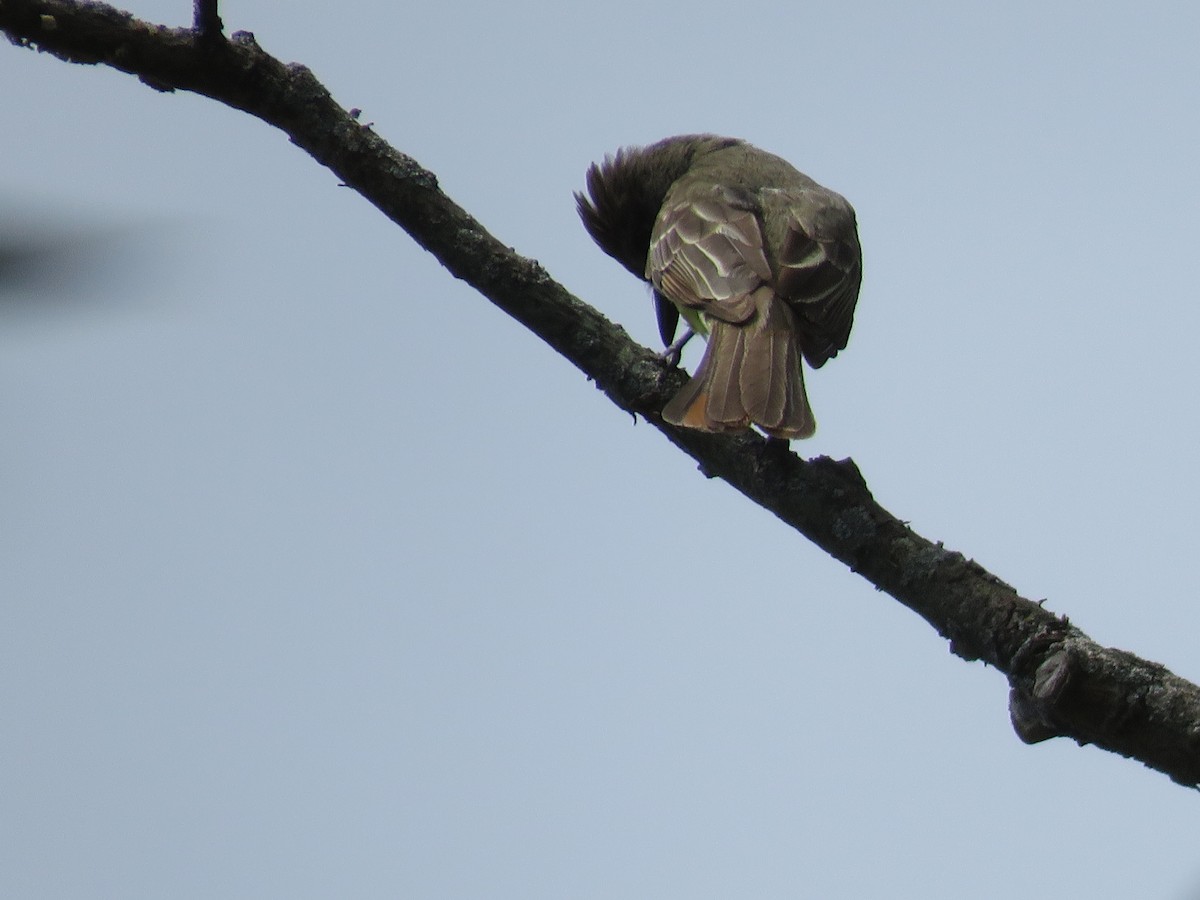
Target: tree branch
x=206, y=19
x=1061, y=682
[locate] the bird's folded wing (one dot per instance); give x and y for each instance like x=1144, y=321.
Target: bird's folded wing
x=706, y=253
x=820, y=270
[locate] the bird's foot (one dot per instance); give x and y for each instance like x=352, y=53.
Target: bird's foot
x=672, y=354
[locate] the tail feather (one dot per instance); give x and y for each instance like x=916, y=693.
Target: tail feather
x=750, y=374
x=727, y=351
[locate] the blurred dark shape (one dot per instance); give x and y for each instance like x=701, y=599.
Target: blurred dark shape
x=54, y=266
x=29, y=260
x=40, y=259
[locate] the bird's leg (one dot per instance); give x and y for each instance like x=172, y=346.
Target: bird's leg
x=673, y=353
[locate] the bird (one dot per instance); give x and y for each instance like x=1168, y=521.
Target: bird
x=752, y=253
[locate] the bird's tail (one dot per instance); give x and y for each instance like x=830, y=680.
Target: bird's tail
x=750, y=374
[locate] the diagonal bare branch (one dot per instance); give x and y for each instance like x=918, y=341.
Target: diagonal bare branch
x=1061, y=682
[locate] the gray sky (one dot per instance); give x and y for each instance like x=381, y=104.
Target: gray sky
x=322, y=578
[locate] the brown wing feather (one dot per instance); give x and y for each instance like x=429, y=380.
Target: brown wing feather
x=707, y=254
x=820, y=271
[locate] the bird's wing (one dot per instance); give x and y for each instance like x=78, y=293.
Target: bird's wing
x=706, y=254
x=820, y=270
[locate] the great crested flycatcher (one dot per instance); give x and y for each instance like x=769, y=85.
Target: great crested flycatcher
x=754, y=254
